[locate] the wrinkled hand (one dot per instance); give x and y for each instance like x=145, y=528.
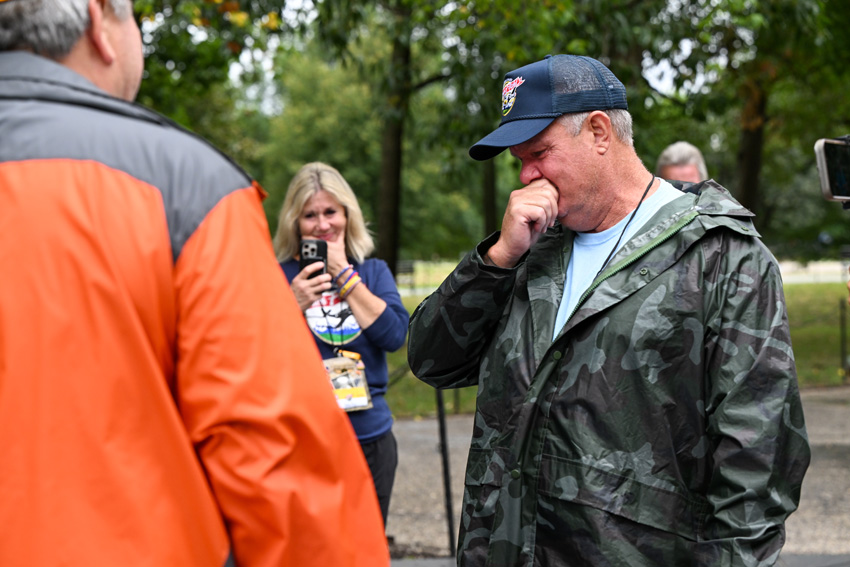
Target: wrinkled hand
x=530, y=212
x=307, y=290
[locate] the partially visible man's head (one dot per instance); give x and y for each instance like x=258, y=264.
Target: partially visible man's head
x=535, y=95
x=681, y=161
x=53, y=28
x=49, y=27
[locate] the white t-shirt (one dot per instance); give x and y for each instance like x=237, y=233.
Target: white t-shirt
x=590, y=249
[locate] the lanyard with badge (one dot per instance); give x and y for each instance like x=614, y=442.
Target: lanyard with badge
x=347, y=374
x=330, y=318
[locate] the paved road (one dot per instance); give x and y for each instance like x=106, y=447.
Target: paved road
x=818, y=534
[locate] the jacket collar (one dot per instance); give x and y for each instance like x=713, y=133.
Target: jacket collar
x=705, y=206
x=27, y=76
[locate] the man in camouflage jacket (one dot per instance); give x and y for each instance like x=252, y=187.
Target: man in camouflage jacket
x=662, y=426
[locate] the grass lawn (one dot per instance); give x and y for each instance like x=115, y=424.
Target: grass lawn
x=814, y=313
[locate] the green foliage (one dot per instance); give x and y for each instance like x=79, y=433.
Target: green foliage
x=329, y=116
x=332, y=114
x=784, y=53
x=331, y=80
x=190, y=48
x=814, y=313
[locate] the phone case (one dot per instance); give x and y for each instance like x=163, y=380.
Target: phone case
x=311, y=251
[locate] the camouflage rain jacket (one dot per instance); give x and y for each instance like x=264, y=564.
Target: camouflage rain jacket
x=662, y=427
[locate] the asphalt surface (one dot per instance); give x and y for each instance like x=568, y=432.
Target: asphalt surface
x=818, y=533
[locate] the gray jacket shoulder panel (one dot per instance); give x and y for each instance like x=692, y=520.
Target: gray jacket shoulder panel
x=57, y=114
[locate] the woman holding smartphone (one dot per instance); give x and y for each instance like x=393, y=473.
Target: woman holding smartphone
x=352, y=304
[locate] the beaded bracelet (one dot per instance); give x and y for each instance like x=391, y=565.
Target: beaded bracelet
x=349, y=285
x=345, y=269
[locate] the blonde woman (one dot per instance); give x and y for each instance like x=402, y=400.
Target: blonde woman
x=353, y=307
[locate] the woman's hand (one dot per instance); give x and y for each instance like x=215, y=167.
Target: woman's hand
x=306, y=289
x=337, y=260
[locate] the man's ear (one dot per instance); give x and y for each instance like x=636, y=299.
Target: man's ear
x=98, y=32
x=599, y=124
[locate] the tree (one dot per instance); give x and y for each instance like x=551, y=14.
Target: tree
x=190, y=48
x=342, y=24
x=331, y=113
x=431, y=74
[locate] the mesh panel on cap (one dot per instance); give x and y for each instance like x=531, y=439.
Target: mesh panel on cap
x=572, y=75
x=581, y=84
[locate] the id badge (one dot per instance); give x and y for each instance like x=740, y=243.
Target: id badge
x=347, y=374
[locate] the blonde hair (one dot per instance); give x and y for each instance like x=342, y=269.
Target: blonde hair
x=310, y=179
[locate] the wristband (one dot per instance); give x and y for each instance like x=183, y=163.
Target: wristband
x=345, y=269
x=352, y=275
x=349, y=285
x=350, y=289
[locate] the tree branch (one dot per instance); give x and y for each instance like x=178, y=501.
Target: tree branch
x=674, y=100
x=433, y=79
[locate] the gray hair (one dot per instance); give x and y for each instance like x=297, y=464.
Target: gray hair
x=682, y=153
x=49, y=28
x=621, y=122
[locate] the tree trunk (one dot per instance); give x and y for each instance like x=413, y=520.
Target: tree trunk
x=753, y=120
x=389, y=193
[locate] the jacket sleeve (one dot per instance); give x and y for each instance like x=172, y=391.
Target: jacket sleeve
x=758, y=443
x=451, y=328
x=281, y=457
x=389, y=330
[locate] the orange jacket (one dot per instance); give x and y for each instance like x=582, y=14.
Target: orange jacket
x=161, y=401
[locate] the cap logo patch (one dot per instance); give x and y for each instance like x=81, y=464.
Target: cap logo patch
x=509, y=94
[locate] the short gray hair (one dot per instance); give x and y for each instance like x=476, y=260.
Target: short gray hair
x=49, y=28
x=682, y=153
x=621, y=122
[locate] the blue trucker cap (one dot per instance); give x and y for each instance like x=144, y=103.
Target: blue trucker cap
x=535, y=95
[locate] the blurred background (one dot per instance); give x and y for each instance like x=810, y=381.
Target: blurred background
x=393, y=93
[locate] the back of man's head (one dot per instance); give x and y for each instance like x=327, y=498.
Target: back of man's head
x=49, y=28
x=680, y=154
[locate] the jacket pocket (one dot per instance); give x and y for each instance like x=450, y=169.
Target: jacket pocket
x=483, y=506
x=662, y=507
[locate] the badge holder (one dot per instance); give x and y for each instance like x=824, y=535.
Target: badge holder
x=348, y=378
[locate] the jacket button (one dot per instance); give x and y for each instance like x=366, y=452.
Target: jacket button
x=644, y=271
x=556, y=355
x=515, y=473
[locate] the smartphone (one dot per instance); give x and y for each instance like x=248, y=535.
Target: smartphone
x=833, y=159
x=313, y=251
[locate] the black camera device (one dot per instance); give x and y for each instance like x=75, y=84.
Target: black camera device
x=833, y=160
